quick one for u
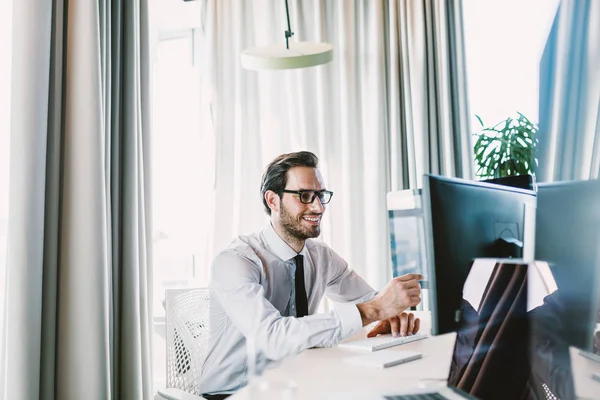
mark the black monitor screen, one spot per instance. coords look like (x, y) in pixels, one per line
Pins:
(465, 220)
(568, 238)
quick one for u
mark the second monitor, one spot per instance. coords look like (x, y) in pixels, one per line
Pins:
(568, 238)
(465, 220)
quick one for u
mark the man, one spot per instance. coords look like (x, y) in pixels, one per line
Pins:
(267, 287)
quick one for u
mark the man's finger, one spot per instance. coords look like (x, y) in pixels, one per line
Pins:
(411, 324)
(403, 324)
(414, 300)
(410, 277)
(417, 325)
(412, 285)
(395, 326)
(380, 328)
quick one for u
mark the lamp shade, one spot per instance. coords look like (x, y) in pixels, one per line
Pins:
(299, 55)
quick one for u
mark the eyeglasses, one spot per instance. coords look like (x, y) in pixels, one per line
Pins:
(308, 196)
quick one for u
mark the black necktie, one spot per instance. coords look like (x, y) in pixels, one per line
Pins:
(301, 300)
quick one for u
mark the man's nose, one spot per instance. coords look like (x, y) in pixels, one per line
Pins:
(316, 205)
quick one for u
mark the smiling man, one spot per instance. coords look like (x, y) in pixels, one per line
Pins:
(267, 287)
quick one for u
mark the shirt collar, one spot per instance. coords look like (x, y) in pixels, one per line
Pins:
(278, 246)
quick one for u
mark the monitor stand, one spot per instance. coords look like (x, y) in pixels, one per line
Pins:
(508, 247)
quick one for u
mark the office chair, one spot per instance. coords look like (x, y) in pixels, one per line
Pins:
(187, 339)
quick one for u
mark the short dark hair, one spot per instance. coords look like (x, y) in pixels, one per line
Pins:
(275, 176)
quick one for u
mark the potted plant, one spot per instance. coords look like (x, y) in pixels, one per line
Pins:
(507, 148)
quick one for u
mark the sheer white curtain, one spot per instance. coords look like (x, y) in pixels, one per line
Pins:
(569, 136)
(389, 108)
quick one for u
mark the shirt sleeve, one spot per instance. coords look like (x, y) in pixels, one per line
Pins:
(345, 285)
(235, 283)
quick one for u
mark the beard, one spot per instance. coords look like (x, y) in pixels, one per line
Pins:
(295, 228)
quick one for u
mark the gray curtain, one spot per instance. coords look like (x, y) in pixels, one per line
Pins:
(390, 107)
(78, 298)
(569, 135)
(429, 128)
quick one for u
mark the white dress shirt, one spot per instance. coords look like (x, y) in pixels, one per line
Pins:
(252, 295)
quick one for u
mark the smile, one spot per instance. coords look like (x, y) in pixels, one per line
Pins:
(314, 220)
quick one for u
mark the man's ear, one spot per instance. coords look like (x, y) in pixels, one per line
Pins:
(272, 200)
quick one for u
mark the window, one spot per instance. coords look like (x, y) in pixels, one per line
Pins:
(183, 163)
(504, 42)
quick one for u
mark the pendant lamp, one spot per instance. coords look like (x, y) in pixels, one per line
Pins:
(292, 55)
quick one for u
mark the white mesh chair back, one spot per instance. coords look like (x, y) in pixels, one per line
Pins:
(548, 393)
(187, 337)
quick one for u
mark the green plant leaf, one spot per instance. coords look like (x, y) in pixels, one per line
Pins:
(480, 120)
(508, 147)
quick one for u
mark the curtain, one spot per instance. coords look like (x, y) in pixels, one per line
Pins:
(389, 108)
(78, 292)
(569, 134)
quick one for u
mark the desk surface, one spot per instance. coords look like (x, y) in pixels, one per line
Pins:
(322, 374)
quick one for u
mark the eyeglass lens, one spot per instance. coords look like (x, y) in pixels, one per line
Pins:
(308, 197)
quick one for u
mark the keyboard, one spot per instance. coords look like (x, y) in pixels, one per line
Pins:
(381, 342)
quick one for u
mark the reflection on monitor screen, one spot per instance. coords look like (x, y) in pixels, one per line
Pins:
(509, 343)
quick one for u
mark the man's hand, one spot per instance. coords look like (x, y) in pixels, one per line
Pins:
(399, 294)
(404, 325)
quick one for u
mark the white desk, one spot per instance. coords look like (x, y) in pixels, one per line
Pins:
(321, 373)
(585, 386)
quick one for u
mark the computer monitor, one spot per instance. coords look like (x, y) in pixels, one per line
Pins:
(465, 220)
(568, 238)
(407, 237)
(406, 232)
